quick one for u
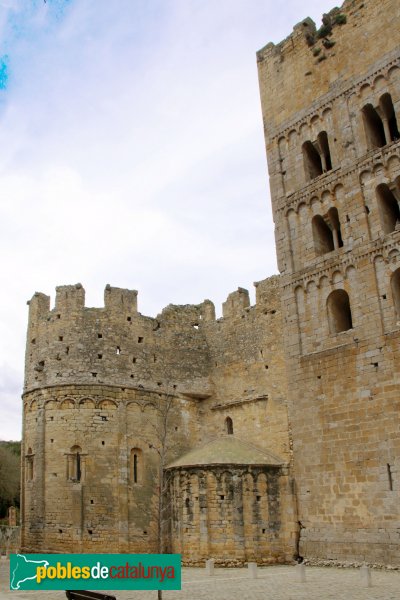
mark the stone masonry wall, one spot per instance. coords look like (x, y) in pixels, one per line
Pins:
(338, 252)
(95, 385)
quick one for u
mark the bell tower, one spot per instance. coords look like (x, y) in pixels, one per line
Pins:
(331, 110)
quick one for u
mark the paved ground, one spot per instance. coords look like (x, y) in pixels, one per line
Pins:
(275, 583)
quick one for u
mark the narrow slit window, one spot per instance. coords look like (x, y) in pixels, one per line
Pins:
(75, 464)
(390, 477)
(136, 466)
(229, 425)
(29, 465)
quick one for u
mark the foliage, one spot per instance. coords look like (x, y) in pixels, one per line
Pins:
(9, 475)
(324, 31)
(328, 43)
(340, 19)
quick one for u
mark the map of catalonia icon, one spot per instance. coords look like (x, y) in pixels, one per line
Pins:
(23, 570)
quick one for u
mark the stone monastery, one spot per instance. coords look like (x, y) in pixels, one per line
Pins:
(274, 432)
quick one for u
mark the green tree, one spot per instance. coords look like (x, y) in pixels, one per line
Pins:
(9, 475)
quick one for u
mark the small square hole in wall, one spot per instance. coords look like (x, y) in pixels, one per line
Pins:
(33, 341)
(103, 443)
(91, 501)
(104, 418)
(140, 340)
(266, 366)
(60, 531)
(384, 297)
(174, 386)
(263, 530)
(133, 360)
(258, 498)
(90, 531)
(94, 374)
(58, 316)
(222, 497)
(99, 356)
(144, 532)
(60, 338)
(118, 350)
(99, 336)
(129, 319)
(132, 376)
(159, 383)
(51, 441)
(51, 418)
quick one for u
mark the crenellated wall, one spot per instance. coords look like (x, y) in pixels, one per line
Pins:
(97, 383)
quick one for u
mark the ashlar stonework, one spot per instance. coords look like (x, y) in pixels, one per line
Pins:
(279, 422)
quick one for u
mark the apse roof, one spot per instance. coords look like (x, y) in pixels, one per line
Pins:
(226, 450)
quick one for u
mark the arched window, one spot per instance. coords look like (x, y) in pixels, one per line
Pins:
(229, 426)
(395, 285)
(388, 208)
(373, 127)
(317, 156)
(324, 151)
(380, 123)
(339, 312)
(29, 465)
(74, 464)
(322, 234)
(326, 232)
(136, 466)
(312, 160)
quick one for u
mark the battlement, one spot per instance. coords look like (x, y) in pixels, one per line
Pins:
(312, 63)
(117, 345)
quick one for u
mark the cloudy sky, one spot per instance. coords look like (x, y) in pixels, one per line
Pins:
(131, 153)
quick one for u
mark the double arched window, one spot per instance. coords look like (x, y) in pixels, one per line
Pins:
(380, 122)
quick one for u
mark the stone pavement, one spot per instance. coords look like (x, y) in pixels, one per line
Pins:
(274, 582)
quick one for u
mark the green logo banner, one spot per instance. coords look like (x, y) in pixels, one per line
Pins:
(95, 571)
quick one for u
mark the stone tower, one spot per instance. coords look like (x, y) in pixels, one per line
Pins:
(331, 110)
(98, 382)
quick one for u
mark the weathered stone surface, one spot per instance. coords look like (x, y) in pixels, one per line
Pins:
(334, 163)
(309, 376)
(103, 374)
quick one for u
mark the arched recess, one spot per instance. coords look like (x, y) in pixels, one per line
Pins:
(136, 467)
(339, 311)
(388, 208)
(395, 286)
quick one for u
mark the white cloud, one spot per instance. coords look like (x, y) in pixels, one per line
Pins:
(131, 131)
